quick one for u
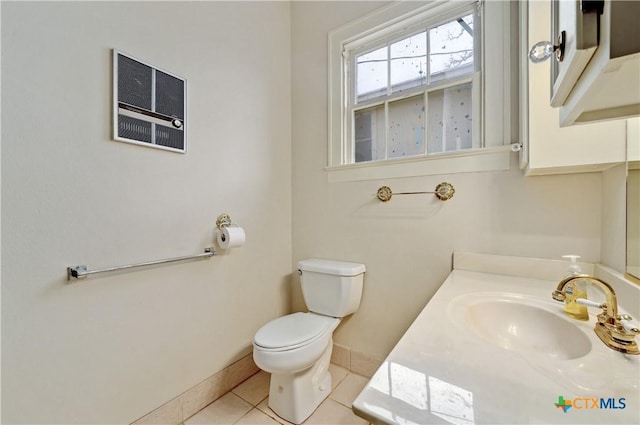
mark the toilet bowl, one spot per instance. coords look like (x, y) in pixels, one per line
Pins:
(296, 348)
(299, 365)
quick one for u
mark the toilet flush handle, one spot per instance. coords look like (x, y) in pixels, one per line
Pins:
(300, 272)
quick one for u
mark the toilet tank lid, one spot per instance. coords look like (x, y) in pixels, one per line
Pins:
(340, 268)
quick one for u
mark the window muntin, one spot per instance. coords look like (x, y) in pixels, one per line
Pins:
(399, 100)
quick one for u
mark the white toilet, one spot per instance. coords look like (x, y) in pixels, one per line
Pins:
(296, 349)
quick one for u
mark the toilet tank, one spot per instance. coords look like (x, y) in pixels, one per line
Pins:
(331, 288)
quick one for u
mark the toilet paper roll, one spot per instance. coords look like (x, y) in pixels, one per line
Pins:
(231, 237)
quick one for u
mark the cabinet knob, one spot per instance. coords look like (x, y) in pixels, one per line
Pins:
(542, 50)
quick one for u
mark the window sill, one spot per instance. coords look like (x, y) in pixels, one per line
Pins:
(472, 160)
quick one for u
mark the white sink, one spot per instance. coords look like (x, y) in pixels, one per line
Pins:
(522, 324)
(484, 338)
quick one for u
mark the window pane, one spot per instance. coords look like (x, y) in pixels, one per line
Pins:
(372, 74)
(406, 127)
(449, 122)
(409, 62)
(451, 49)
(369, 134)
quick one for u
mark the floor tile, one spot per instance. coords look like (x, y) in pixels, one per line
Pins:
(170, 413)
(332, 412)
(256, 417)
(337, 375)
(201, 395)
(226, 410)
(348, 389)
(254, 389)
(248, 403)
(264, 407)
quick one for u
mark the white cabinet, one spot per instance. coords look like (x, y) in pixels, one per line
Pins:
(599, 76)
(577, 34)
(551, 149)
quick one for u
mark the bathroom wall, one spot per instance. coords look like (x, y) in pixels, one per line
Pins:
(112, 348)
(614, 216)
(407, 243)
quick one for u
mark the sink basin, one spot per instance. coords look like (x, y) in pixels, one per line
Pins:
(523, 324)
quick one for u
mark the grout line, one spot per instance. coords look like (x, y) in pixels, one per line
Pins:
(340, 403)
(262, 401)
(249, 411)
(278, 419)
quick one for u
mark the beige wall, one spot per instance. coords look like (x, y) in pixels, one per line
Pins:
(112, 348)
(633, 223)
(407, 243)
(614, 217)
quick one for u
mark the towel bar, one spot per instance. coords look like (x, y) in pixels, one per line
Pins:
(444, 191)
(81, 272)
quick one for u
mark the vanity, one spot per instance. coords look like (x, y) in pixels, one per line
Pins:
(492, 346)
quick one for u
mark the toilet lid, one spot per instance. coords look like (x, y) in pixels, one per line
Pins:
(293, 329)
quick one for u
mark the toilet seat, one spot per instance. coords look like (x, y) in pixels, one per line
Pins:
(294, 331)
(289, 353)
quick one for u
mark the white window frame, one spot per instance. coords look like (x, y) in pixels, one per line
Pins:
(494, 90)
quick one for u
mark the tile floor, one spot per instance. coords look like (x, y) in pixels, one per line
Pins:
(247, 403)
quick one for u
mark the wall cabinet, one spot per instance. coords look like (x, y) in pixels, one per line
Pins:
(598, 78)
(549, 148)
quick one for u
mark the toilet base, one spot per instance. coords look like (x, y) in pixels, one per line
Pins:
(295, 396)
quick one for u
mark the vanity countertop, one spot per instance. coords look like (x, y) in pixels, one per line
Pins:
(443, 372)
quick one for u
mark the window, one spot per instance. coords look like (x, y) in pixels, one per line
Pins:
(411, 85)
(403, 104)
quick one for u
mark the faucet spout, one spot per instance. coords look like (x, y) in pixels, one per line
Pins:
(610, 327)
(610, 295)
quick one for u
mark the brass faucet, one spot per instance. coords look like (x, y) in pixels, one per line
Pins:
(609, 327)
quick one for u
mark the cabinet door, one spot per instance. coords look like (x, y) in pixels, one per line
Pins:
(574, 23)
(551, 149)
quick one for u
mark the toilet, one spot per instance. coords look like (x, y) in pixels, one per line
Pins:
(296, 349)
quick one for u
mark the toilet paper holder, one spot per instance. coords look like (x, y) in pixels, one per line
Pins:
(223, 220)
(230, 235)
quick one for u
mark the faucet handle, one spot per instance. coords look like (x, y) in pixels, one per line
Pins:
(628, 325)
(588, 303)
